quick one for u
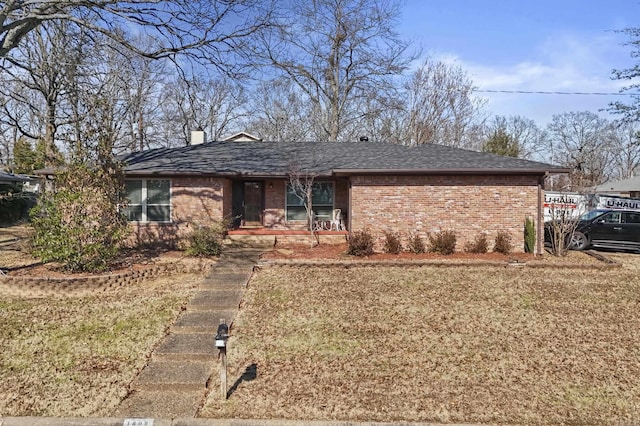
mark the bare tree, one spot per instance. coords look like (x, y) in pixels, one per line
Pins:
(383, 119)
(213, 105)
(441, 107)
(280, 112)
(50, 58)
(337, 52)
(524, 132)
(579, 140)
(630, 111)
(561, 229)
(301, 183)
(208, 31)
(142, 80)
(625, 149)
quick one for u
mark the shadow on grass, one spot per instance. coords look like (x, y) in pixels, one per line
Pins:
(250, 373)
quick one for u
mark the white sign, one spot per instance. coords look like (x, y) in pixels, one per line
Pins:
(138, 422)
(573, 205)
(564, 204)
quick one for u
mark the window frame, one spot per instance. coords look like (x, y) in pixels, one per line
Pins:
(144, 204)
(287, 206)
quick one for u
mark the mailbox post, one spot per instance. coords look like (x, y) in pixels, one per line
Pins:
(221, 343)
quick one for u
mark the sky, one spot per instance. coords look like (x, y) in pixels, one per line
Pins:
(541, 45)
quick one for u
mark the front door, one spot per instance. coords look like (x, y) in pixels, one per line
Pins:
(253, 203)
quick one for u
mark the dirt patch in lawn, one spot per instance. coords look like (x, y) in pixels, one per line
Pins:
(454, 345)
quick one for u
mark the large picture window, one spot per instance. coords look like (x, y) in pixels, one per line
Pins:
(321, 200)
(149, 200)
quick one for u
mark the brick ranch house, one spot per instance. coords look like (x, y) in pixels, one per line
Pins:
(378, 187)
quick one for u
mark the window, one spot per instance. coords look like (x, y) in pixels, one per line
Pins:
(632, 217)
(149, 200)
(613, 217)
(321, 200)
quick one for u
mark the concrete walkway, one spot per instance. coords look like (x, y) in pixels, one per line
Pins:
(175, 382)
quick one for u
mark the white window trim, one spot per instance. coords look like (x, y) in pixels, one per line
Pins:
(143, 195)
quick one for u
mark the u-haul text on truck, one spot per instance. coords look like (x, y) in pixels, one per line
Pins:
(617, 203)
(573, 205)
(564, 204)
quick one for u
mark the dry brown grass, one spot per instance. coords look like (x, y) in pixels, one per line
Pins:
(490, 345)
(77, 356)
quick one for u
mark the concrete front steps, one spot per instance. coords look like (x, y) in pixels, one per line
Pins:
(175, 381)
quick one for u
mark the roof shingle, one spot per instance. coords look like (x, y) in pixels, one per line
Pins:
(259, 158)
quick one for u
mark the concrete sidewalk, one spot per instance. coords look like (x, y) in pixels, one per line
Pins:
(174, 382)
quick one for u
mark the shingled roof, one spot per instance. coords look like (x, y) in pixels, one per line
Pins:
(273, 159)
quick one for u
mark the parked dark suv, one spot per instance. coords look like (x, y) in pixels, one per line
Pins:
(618, 229)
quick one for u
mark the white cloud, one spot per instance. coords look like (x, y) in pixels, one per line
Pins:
(564, 63)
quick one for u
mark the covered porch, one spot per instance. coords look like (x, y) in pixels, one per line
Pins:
(270, 207)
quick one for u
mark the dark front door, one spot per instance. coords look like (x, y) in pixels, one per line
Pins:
(253, 203)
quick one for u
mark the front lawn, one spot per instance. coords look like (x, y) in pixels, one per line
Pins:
(433, 344)
(76, 356)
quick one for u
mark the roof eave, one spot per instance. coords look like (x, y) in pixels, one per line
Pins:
(474, 171)
(254, 175)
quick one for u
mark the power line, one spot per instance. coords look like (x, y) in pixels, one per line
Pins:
(543, 92)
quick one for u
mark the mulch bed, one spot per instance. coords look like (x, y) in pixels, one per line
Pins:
(338, 252)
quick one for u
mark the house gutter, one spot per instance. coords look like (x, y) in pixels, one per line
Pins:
(218, 174)
(350, 172)
(474, 171)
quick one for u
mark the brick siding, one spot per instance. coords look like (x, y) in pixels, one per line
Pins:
(194, 201)
(467, 205)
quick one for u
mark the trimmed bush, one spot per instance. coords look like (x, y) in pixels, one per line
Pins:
(443, 242)
(529, 235)
(416, 244)
(479, 245)
(392, 242)
(360, 243)
(206, 240)
(503, 243)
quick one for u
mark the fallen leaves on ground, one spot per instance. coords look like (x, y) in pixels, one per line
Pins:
(460, 344)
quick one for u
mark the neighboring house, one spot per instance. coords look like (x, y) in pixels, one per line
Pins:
(624, 188)
(242, 137)
(379, 187)
(10, 178)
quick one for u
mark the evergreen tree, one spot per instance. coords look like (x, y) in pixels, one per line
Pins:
(24, 157)
(501, 143)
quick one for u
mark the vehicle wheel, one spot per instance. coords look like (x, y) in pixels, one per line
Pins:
(579, 241)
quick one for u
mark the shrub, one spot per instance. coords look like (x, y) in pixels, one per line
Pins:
(79, 225)
(503, 243)
(360, 243)
(416, 244)
(479, 245)
(392, 242)
(443, 242)
(206, 240)
(529, 235)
